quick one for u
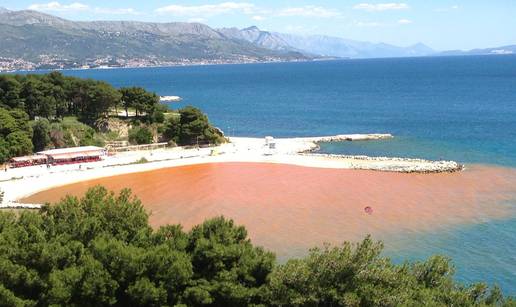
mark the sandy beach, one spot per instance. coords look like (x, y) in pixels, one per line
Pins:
(23, 182)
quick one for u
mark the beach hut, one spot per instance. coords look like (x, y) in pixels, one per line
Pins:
(73, 155)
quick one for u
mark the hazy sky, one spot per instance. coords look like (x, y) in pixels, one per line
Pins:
(441, 24)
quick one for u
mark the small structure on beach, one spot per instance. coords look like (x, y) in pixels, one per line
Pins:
(270, 145)
(73, 155)
(28, 160)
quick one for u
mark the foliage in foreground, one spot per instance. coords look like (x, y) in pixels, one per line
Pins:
(101, 251)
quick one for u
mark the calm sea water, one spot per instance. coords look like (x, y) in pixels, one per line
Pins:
(460, 108)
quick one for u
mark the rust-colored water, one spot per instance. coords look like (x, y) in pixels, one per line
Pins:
(290, 208)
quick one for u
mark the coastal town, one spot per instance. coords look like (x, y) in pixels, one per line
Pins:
(46, 62)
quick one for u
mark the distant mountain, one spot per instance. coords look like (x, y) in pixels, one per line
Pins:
(324, 45)
(340, 47)
(511, 49)
(258, 37)
(41, 38)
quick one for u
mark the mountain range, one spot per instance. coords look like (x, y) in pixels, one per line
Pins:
(41, 38)
(31, 39)
(321, 45)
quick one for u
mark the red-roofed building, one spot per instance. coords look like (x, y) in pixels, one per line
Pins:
(74, 155)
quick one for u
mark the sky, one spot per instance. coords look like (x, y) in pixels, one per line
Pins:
(441, 24)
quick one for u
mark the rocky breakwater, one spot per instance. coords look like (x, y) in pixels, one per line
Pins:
(350, 137)
(312, 143)
(392, 164)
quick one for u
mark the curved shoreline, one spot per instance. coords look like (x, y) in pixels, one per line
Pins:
(23, 182)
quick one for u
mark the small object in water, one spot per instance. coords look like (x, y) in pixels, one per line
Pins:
(170, 98)
(368, 210)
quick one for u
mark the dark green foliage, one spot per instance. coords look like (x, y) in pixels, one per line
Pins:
(56, 103)
(143, 102)
(100, 251)
(54, 96)
(19, 144)
(172, 129)
(356, 275)
(41, 134)
(191, 127)
(15, 134)
(10, 92)
(140, 135)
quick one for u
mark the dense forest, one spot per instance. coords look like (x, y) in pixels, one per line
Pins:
(100, 251)
(54, 111)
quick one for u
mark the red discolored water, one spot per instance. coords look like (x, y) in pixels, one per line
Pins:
(291, 208)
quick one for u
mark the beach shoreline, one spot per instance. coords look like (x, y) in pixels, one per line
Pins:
(23, 182)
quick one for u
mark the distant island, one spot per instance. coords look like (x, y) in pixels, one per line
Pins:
(32, 40)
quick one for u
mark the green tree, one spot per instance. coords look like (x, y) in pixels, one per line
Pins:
(195, 128)
(19, 144)
(41, 134)
(141, 100)
(140, 135)
(38, 101)
(10, 92)
(356, 275)
(172, 129)
(4, 150)
(15, 134)
(100, 98)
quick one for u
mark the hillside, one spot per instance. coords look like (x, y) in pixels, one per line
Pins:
(48, 40)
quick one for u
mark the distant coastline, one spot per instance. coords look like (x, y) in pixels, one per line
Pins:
(164, 65)
(201, 64)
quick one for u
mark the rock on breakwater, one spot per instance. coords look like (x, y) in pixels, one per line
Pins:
(350, 137)
(394, 164)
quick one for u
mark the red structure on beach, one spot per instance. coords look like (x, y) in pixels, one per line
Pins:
(61, 156)
(28, 160)
(73, 155)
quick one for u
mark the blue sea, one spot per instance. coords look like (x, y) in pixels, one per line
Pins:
(457, 108)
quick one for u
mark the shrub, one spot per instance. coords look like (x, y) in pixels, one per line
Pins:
(140, 135)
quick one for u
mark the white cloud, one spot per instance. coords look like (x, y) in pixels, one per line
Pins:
(207, 9)
(404, 21)
(58, 7)
(258, 18)
(308, 11)
(55, 6)
(381, 6)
